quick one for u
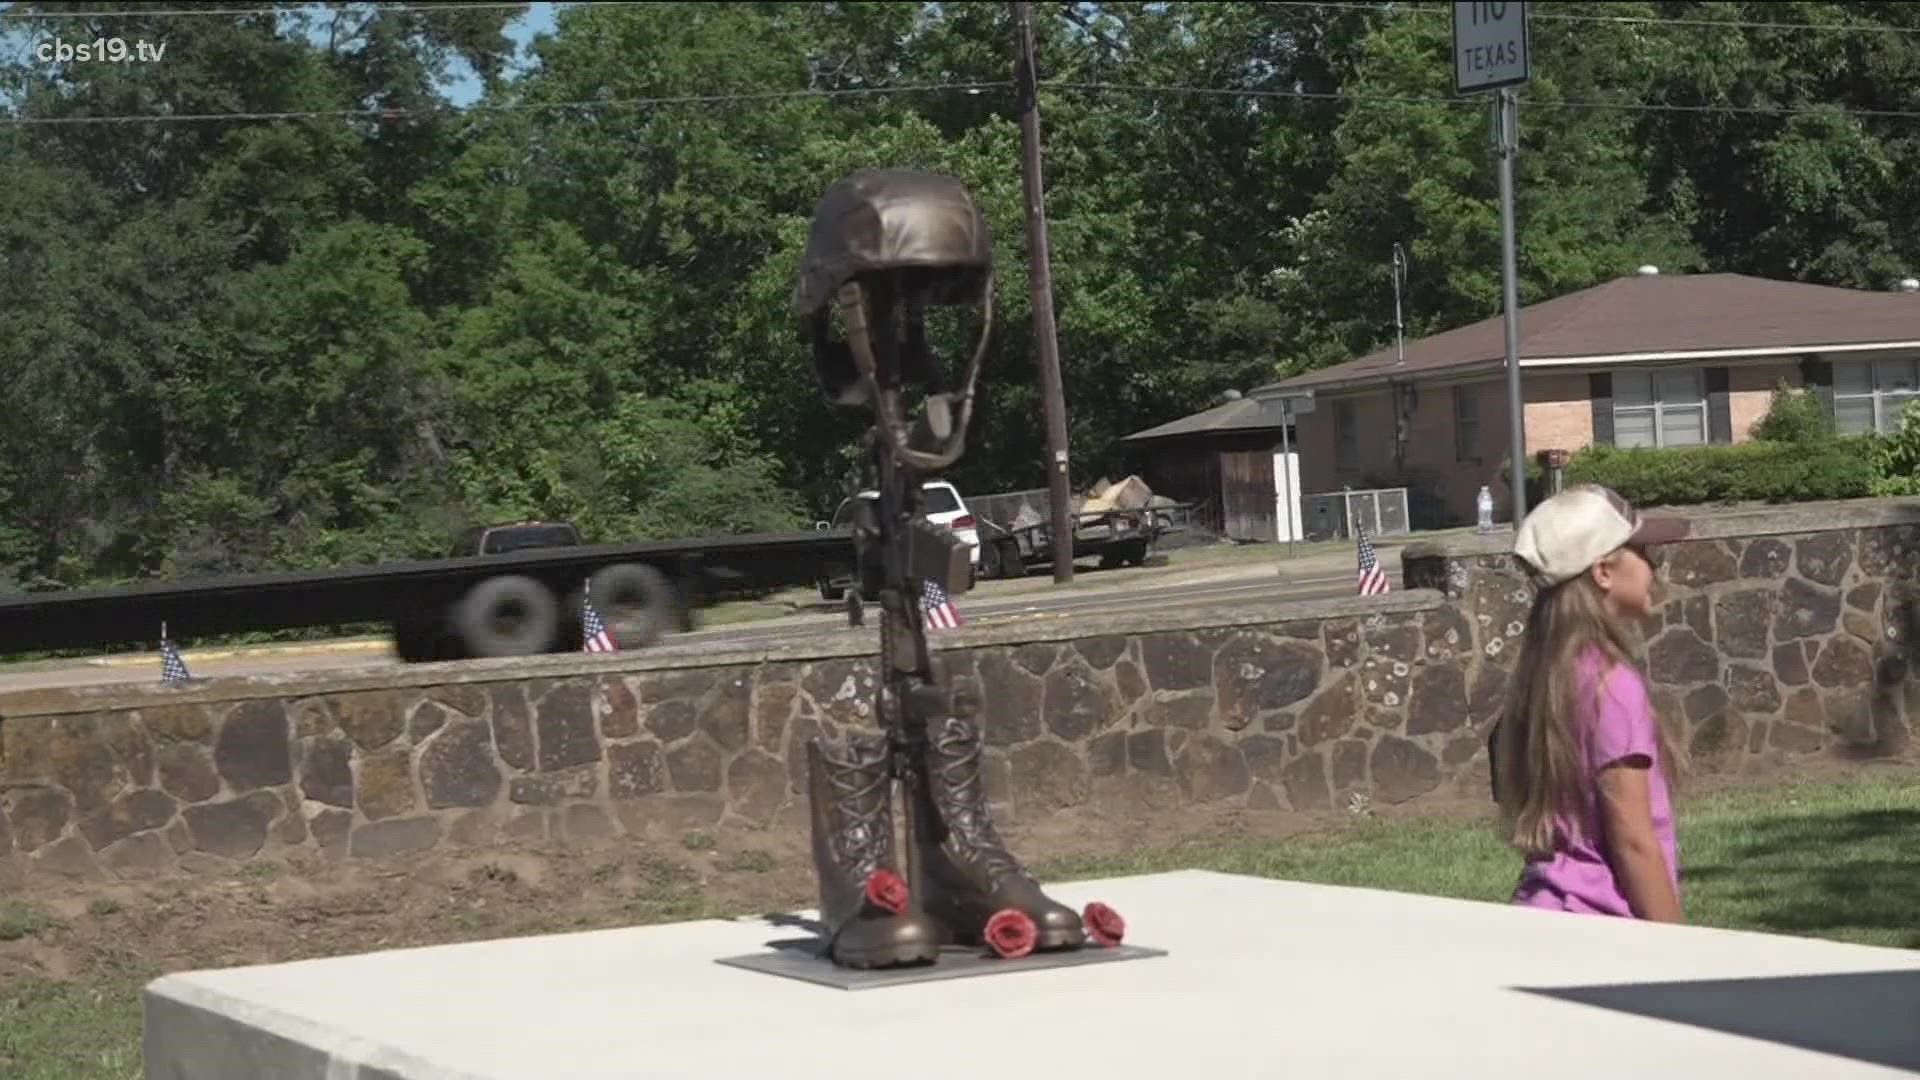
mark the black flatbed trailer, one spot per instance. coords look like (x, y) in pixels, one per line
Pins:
(520, 603)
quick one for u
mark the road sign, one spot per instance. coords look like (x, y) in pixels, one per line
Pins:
(1491, 47)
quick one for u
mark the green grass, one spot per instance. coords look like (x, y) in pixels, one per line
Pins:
(1434, 858)
(71, 1031)
(776, 606)
(747, 862)
(19, 919)
(1832, 860)
(1825, 860)
(1814, 860)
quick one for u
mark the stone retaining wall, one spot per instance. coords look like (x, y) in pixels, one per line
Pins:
(1782, 644)
(1776, 635)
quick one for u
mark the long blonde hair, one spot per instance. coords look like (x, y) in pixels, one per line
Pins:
(1538, 764)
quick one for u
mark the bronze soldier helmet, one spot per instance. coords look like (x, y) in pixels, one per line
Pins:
(885, 244)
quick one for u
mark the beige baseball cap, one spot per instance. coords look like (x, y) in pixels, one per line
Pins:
(1583, 524)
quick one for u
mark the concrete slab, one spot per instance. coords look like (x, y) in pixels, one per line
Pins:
(1263, 977)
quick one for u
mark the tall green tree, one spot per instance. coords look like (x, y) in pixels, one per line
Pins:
(273, 302)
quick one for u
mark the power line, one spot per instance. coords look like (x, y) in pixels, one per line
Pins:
(1248, 92)
(1746, 110)
(395, 9)
(545, 106)
(1544, 13)
(1477, 103)
(971, 88)
(1552, 15)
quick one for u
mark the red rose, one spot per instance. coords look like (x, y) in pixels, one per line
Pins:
(886, 891)
(1011, 933)
(1104, 924)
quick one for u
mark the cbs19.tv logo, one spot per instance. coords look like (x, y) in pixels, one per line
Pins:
(100, 50)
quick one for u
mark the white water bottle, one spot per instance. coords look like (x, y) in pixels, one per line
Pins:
(1486, 508)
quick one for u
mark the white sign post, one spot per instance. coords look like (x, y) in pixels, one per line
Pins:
(1291, 406)
(1493, 51)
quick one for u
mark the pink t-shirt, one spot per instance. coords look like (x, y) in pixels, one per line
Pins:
(1577, 877)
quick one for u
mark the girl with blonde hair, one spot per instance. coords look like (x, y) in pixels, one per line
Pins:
(1582, 767)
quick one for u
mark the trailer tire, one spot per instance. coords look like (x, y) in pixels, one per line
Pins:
(636, 601)
(1138, 553)
(1006, 559)
(989, 564)
(507, 616)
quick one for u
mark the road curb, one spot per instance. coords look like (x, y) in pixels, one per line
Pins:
(315, 649)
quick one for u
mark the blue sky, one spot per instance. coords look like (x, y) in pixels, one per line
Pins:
(537, 20)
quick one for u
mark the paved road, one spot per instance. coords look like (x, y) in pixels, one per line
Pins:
(1256, 584)
(1000, 610)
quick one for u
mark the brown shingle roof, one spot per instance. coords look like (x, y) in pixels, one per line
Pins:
(1634, 316)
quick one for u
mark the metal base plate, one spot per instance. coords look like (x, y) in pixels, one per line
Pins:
(805, 959)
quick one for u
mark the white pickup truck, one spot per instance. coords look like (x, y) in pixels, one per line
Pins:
(940, 504)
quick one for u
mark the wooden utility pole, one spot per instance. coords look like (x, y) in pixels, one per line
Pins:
(1026, 77)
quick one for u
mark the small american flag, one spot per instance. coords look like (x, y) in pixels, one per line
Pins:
(594, 628)
(938, 610)
(1373, 580)
(172, 667)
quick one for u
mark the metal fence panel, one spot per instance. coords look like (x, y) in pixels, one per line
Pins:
(1330, 515)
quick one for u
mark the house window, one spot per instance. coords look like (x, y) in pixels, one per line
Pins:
(1663, 407)
(1869, 394)
(1466, 424)
(1346, 436)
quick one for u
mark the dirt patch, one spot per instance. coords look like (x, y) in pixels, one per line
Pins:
(272, 912)
(277, 912)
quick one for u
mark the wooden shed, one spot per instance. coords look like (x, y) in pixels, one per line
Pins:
(1225, 458)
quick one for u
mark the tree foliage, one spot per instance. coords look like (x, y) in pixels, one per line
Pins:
(338, 326)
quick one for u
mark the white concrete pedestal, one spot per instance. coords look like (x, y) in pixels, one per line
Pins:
(1263, 978)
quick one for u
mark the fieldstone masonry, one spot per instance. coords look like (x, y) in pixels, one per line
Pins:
(1796, 642)
(1786, 633)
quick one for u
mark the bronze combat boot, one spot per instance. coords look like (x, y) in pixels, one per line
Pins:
(970, 873)
(852, 797)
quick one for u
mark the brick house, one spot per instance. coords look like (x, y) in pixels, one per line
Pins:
(1648, 360)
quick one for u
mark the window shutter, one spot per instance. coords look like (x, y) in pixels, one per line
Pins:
(1719, 414)
(1600, 389)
